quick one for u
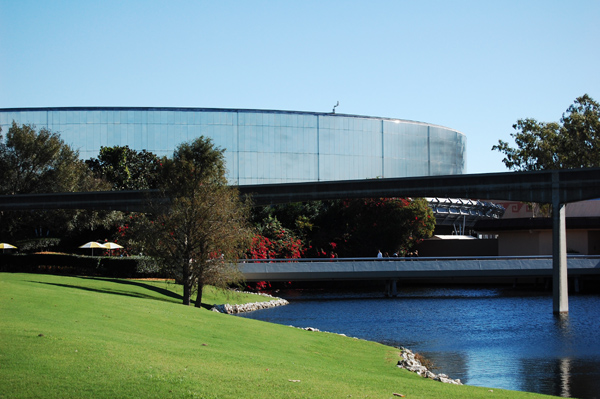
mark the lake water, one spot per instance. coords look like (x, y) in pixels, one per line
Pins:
(496, 337)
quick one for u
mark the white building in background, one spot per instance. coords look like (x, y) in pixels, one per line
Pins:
(263, 146)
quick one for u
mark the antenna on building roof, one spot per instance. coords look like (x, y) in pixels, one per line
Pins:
(338, 103)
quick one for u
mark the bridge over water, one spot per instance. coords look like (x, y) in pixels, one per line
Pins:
(321, 269)
(393, 270)
(556, 187)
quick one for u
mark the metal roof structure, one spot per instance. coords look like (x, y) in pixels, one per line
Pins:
(463, 213)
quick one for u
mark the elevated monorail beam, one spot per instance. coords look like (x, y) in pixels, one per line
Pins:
(572, 185)
(132, 201)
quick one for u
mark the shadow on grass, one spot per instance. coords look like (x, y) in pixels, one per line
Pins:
(161, 291)
(114, 292)
(150, 287)
(170, 295)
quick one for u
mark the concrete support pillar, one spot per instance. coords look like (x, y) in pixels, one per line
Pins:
(391, 288)
(560, 286)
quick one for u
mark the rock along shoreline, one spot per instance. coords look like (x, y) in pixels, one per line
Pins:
(250, 307)
(409, 361)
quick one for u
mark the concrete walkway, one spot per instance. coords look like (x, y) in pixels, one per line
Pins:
(397, 268)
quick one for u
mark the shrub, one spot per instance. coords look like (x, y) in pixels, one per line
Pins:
(38, 244)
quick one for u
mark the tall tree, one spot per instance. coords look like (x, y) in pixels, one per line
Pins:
(573, 142)
(201, 232)
(39, 161)
(126, 169)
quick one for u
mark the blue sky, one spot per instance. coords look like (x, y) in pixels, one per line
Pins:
(474, 66)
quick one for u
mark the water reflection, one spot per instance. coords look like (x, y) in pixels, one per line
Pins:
(563, 324)
(492, 337)
(564, 368)
(566, 377)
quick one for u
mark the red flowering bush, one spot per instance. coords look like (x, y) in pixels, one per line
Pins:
(274, 241)
(362, 227)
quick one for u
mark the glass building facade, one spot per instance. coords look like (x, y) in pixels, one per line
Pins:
(263, 146)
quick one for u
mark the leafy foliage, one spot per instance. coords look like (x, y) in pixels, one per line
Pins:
(347, 228)
(571, 143)
(37, 245)
(126, 169)
(298, 217)
(202, 231)
(275, 241)
(361, 227)
(38, 161)
(194, 164)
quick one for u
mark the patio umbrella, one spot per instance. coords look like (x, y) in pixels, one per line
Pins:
(4, 246)
(92, 245)
(111, 245)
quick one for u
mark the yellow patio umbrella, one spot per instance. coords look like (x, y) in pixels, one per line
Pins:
(92, 245)
(4, 246)
(111, 245)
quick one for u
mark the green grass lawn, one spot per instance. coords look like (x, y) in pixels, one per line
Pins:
(77, 337)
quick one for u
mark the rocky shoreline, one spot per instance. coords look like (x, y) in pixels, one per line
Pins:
(411, 363)
(250, 307)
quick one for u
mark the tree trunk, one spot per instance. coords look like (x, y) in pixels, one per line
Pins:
(186, 293)
(187, 289)
(199, 298)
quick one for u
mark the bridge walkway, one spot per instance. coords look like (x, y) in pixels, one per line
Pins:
(398, 268)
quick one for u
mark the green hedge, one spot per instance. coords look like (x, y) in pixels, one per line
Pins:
(39, 244)
(106, 266)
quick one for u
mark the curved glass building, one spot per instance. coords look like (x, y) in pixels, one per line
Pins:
(263, 146)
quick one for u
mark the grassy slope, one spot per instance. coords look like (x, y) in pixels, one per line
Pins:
(79, 337)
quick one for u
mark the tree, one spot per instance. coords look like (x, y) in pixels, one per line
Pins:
(574, 142)
(39, 161)
(126, 169)
(297, 218)
(202, 231)
(34, 161)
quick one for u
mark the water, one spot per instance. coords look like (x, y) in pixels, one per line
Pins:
(492, 337)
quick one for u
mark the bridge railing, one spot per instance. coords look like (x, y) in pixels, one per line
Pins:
(412, 259)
